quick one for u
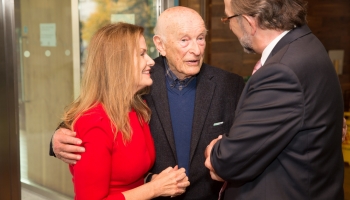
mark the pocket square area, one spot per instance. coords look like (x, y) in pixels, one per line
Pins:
(218, 123)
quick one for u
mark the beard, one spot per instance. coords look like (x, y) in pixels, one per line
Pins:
(246, 42)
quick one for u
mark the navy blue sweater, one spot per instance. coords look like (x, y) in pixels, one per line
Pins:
(181, 105)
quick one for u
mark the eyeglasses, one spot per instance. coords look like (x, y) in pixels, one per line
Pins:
(226, 20)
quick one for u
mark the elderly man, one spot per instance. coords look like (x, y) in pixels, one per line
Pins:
(285, 142)
(191, 102)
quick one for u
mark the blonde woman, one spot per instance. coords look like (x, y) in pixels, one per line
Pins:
(111, 119)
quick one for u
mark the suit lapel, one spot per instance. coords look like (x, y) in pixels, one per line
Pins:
(159, 96)
(204, 94)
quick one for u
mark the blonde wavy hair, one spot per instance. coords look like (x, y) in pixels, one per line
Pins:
(110, 79)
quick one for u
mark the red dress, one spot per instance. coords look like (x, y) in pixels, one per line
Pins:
(108, 166)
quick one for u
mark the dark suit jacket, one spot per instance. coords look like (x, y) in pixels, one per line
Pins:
(285, 142)
(217, 95)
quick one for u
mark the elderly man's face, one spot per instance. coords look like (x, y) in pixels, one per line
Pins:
(185, 45)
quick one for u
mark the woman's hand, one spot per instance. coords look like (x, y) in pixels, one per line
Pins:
(170, 182)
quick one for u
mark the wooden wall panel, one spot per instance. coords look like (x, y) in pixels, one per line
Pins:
(194, 4)
(225, 50)
(329, 21)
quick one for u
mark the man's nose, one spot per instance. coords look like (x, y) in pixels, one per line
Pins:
(195, 48)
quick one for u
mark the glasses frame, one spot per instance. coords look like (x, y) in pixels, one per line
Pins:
(226, 20)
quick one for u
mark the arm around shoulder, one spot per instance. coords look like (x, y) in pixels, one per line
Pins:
(64, 145)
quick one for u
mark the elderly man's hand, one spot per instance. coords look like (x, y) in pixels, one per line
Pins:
(64, 144)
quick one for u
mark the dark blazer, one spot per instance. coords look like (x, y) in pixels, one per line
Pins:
(285, 142)
(217, 95)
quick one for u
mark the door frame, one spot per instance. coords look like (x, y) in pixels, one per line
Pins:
(9, 130)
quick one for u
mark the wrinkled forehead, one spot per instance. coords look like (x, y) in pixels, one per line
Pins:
(184, 26)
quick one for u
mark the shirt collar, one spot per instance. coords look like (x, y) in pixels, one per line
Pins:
(172, 78)
(270, 47)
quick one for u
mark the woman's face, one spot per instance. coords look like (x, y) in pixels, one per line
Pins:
(145, 64)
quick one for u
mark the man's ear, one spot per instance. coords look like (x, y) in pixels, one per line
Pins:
(252, 22)
(158, 42)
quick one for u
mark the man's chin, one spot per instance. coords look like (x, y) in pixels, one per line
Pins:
(193, 72)
(249, 50)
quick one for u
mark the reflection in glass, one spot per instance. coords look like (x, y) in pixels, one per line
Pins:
(96, 13)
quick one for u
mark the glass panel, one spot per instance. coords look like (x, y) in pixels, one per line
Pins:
(46, 86)
(52, 40)
(96, 13)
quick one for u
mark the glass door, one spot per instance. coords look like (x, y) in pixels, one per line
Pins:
(47, 47)
(52, 43)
